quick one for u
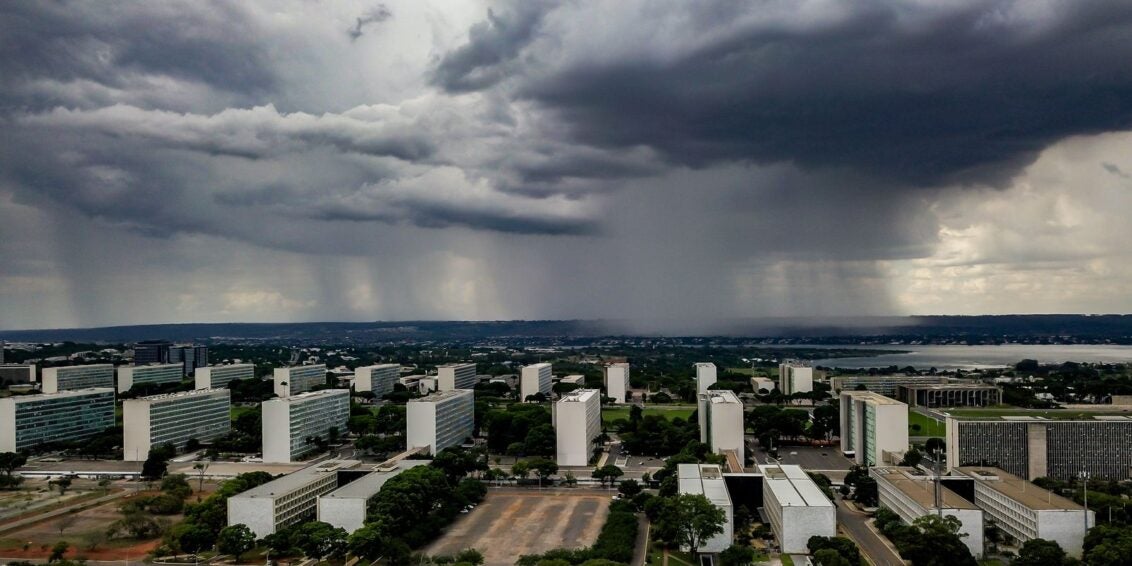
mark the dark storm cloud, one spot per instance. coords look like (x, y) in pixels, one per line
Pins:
(374, 16)
(916, 94)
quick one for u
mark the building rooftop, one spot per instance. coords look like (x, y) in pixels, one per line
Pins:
(705, 479)
(705, 364)
(792, 487)
(539, 365)
(574, 378)
(948, 386)
(179, 394)
(442, 396)
(377, 366)
(920, 488)
(309, 395)
(60, 395)
(291, 482)
(872, 397)
(722, 396)
(456, 365)
(81, 366)
(579, 396)
(368, 485)
(1019, 489)
(618, 364)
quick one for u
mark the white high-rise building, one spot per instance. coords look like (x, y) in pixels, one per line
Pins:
(577, 422)
(377, 379)
(456, 376)
(874, 428)
(617, 381)
(298, 379)
(26, 421)
(215, 377)
(535, 378)
(440, 420)
(129, 376)
(71, 378)
(291, 424)
(148, 422)
(707, 480)
(795, 377)
(721, 423)
(705, 376)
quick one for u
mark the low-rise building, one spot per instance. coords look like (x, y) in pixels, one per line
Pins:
(176, 418)
(949, 395)
(294, 426)
(574, 379)
(721, 424)
(377, 379)
(346, 506)
(911, 494)
(71, 378)
(874, 428)
(440, 420)
(797, 507)
(153, 374)
(450, 377)
(1026, 511)
(534, 379)
(707, 480)
(763, 385)
(215, 377)
(286, 501)
(27, 421)
(298, 379)
(883, 384)
(577, 422)
(617, 381)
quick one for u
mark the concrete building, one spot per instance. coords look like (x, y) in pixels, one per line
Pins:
(763, 385)
(705, 376)
(129, 376)
(216, 377)
(450, 377)
(912, 494)
(71, 378)
(1033, 447)
(378, 379)
(707, 480)
(883, 384)
(874, 428)
(152, 352)
(189, 356)
(535, 378)
(298, 379)
(16, 374)
(288, 500)
(797, 507)
(949, 395)
(291, 424)
(577, 422)
(1027, 512)
(440, 420)
(795, 377)
(575, 379)
(617, 381)
(26, 421)
(149, 422)
(346, 506)
(721, 423)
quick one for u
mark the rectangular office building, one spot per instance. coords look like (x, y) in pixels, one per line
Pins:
(149, 422)
(1033, 447)
(216, 377)
(705, 376)
(707, 480)
(346, 506)
(617, 381)
(288, 500)
(797, 507)
(874, 428)
(534, 379)
(292, 425)
(795, 377)
(377, 379)
(298, 379)
(129, 376)
(440, 420)
(949, 395)
(71, 378)
(721, 424)
(577, 422)
(17, 374)
(26, 421)
(450, 377)
(912, 494)
(883, 384)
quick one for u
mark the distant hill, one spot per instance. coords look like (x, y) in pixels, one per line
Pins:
(934, 329)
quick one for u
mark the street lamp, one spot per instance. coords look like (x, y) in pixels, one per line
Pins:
(1085, 478)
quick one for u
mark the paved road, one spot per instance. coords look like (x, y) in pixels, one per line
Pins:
(872, 545)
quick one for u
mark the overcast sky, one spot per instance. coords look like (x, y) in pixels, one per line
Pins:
(689, 161)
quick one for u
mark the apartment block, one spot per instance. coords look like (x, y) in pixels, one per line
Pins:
(912, 494)
(883, 384)
(291, 424)
(795, 377)
(129, 376)
(707, 480)
(71, 378)
(216, 377)
(577, 422)
(288, 500)
(17, 374)
(450, 377)
(533, 379)
(1033, 446)
(346, 506)
(797, 507)
(298, 379)
(949, 395)
(149, 422)
(721, 424)
(874, 428)
(440, 420)
(378, 379)
(705, 376)
(617, 381)
(27, 421)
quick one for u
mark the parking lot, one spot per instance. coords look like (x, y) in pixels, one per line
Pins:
(811, 459)
(513, 522)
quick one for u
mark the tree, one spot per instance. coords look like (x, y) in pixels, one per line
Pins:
(157, 463)
(607, 472)
(9, 461)
(912, 458)
(319, 540)
(938, 543)
(191, 538)
(934, 443)
(62, 483)
(470, 556)
(629, 487)
(521, 469)
(544, 468)
(830, 557)
(235, 540)
(843, 548)
(1040, 552)
(686, 520)
(176, 485)
(368, 542)
(58, 551)
(200, 467)
(65, 522)
(736, 555)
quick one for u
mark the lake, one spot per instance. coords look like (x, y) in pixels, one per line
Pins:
(975, 357)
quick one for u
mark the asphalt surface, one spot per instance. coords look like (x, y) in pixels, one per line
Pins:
(811, 459)
(870, 542)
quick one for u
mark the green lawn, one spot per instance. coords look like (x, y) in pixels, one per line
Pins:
(928, 425)
(668, 412)
(237, 411)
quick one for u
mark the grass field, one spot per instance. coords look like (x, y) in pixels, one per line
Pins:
(668, 412)
(237, 411)
(928, 425)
